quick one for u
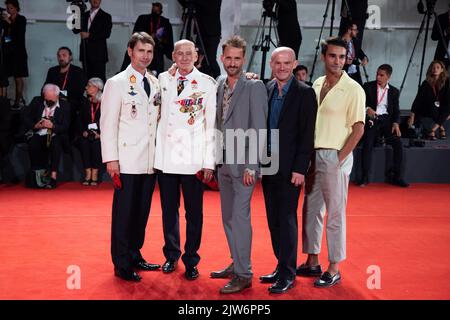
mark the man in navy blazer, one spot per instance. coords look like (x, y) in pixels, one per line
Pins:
(292, 112)
(382, 119)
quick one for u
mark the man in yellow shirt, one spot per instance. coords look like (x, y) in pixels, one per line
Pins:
(339, 127)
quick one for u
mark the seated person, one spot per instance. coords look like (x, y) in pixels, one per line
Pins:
(301, 74)
(49, 119)
(71, 80)
(432, 100)
(90, 128)
(383, 117)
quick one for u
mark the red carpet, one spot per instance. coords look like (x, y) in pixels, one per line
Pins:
(405, 232)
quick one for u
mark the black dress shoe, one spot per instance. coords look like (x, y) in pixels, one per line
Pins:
(169, 266)
(144, 265)
(191, 273)
(309, 271)
(281, 286)
(399, 182)
(326, 280)
(223, 274)
(51, 184)
(363, 182)
(127, 275)
(270, 278)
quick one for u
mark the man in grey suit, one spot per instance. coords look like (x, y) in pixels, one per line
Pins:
(241, 110)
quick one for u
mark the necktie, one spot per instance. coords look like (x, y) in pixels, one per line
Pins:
(180, 86)
(146, 86)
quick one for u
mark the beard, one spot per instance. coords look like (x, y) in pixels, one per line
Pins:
(63, 64)
(233, 71)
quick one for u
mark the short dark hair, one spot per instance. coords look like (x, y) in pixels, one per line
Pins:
(14, 3)
(300, 67)
(386, 67)
(143, 37)
(64, 48)
(235, 42)
(333, 41)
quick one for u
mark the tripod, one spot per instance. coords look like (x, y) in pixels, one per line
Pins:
(333, 7)
(426, 17)
(265, 39)
(190, 25)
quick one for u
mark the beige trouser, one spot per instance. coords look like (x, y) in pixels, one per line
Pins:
(326, 187)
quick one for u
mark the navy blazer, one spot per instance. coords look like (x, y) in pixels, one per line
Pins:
(33, 113)
(296, 126)
(393, 108)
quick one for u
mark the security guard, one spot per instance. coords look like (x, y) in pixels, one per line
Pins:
(129, 113)
(184, 147)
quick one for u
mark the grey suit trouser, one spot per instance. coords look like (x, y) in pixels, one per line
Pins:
(235, 200)
(326, 187)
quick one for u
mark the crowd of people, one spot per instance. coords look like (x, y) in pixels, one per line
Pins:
(171, 128)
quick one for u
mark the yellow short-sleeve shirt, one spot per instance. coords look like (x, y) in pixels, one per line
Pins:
(342, 107)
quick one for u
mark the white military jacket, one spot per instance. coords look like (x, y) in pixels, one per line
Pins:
(128, 122)
(185, 137)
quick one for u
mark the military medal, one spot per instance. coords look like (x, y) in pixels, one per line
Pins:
(133, 112)
(191, 105)
(194, 85)
(132, 93)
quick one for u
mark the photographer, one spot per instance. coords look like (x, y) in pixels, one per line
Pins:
(96, 27)
(13, 44)
(48, 118)
(90, 128)
(160, 29)
(288, 27)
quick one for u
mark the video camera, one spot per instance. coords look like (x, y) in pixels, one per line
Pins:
(269, 7)
(79, 3)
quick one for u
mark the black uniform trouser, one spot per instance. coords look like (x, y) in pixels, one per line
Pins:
(281, 199)
(381, 127)
(39, 153)
(192, 188)
(130, 211)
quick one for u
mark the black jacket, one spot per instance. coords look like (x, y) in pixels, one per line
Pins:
(423, 105)
(76, 83)
(96, 49)
(296, 127)
(86, 115)
(33, 113)
(393, 108)
(17, 33)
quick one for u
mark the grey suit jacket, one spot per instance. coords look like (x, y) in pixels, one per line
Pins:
(248, 110)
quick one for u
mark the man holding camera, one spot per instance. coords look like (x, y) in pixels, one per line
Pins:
(383, 118)
(160, 29)
(49, 119)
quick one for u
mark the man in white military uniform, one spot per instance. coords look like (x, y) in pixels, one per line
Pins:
(184, 146)
(129, 113)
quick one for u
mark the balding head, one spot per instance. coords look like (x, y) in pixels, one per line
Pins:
(184, 55)
(282, 63)
(283, 50)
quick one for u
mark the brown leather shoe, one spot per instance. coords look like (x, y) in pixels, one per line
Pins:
(223, 274)
(237, 284)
